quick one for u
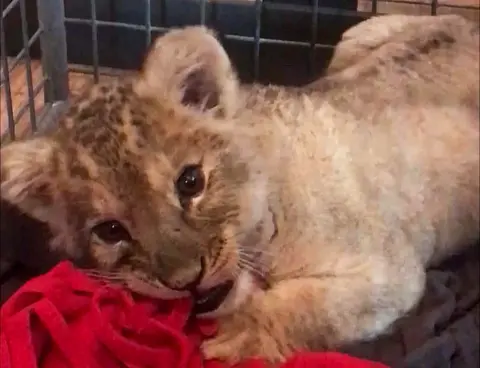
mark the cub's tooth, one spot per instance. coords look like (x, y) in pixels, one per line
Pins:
(202, 300)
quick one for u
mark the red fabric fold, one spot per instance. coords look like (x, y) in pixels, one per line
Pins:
(64, 319)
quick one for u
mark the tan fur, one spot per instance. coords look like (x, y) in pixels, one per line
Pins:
(336, 195)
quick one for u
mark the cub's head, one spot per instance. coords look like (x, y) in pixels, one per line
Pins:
(151, 181)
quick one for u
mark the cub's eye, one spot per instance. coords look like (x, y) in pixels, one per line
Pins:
(191, 181)
(111, 232)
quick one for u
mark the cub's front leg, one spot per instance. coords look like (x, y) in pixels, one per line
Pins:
(318, 313)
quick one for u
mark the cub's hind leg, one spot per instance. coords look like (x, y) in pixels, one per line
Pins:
(361, 40)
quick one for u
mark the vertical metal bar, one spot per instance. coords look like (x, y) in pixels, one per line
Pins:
(434, 7)
(28, 67)
(313, 38)
(203, 12)
(163, 12)
(6, 80)
(93, 9)
(53, 42)
(374, 6)
(148, 23)
(7, 9)
(258, 29)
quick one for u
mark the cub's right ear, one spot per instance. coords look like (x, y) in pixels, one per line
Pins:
(189, 67)
(26, 181)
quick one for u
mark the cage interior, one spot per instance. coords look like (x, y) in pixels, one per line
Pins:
(53, 48)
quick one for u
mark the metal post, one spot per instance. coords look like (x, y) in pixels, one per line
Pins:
(203, 12)
(258, 29)
(28, 66)
(53, 42)
(6, 80)
(95, 62)
(313, 38)
(148, 23)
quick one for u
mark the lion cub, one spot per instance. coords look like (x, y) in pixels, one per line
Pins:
(301, 218)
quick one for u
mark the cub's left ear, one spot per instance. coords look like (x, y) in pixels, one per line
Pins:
(25, 180)
(189, 66)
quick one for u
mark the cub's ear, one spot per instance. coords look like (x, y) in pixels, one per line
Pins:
(26, 182)
(189, 66)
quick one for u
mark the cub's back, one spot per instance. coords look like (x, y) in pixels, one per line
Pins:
(392, 140)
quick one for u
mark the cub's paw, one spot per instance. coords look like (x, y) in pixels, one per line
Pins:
(240, 338)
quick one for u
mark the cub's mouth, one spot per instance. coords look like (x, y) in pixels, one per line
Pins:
(209, 300)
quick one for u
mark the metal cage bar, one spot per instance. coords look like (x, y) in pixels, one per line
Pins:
(29, 104)
(93, 9)
(19, 57)
(257, 38)
(203, 12)
(434, 7)
(53, 43)
(313, 9)
(6, 78)
(9, 8)
(54, 78)
(28, 66)
(22, 57)
(148, 22)
(313, 35)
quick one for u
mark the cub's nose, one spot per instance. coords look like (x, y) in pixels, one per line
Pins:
(185, 277)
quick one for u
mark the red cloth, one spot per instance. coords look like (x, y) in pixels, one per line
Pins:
(64, 319)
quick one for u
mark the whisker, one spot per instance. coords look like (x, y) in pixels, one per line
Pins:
(257, 250)
(257, 254)
(108, 279)
(262, 258)
(253, 265)
(254, 260)
(251, 270)
(97, 274)
(104, 276)
(257, 259)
